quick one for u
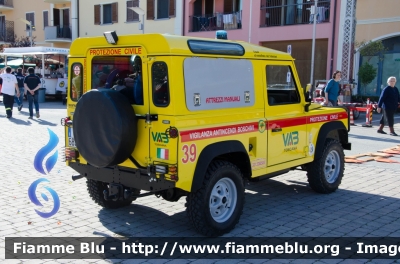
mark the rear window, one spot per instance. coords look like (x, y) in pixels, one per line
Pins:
(160, 84)
(120, 73)
(107, 70)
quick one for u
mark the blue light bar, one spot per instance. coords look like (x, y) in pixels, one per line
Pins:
(214, 47)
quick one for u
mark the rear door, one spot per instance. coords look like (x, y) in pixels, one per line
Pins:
(163, 143)
(109, 66)
(286, 121)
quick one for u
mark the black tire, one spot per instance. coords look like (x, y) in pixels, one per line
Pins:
(356, 114)
(326, 172)
(105, 127)
(220, 176)
(96, 189)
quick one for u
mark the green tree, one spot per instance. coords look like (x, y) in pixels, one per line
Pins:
(367, 71)
(21, 42)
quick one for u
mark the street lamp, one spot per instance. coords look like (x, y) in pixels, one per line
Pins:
(139, 11)
(314, 14)
(29, 23)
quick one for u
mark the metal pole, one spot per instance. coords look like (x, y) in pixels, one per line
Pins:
(30, 31)
(313, 43)
(143, 23)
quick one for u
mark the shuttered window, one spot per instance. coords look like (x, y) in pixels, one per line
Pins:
(165, 9)
(171, 8)
(106, 14)
(114, 10)
(150, 9)
(30, 17)
(45, 19)
(228, 6)
(97, 20)
(130, 14)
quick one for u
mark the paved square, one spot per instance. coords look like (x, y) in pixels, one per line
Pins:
(366, 204)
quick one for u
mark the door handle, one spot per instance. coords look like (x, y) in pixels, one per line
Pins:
(276, 129)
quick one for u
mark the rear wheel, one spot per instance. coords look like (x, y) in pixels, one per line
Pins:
(96, 192)
(326, 172)
(216, 207)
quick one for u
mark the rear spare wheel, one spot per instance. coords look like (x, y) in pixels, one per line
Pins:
(105, 127)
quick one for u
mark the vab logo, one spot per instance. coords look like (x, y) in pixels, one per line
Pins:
(51, 161)
(61, 84)
(35, 200)
(291, 138)
(160, 137)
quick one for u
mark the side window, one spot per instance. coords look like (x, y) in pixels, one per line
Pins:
(76, 82)
(159, 71)
(281, 88)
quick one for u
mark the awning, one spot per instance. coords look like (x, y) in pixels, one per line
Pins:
(16, 64)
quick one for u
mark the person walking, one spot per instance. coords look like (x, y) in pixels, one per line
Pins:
(332, 88)
(388, 101)
(32, 85)
(9, 89)
(20, 99)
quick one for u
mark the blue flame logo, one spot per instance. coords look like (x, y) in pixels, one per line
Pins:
(51, 161)
(34, 199)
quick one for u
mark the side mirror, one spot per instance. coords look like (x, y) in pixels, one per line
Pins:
(308, 93)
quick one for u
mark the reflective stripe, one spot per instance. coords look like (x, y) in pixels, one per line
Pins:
(8, 109)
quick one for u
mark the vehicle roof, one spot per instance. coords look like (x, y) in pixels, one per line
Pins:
(167, 44)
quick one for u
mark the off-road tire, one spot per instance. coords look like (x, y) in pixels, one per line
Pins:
(224, 178)
(326, 172)
(96, 188)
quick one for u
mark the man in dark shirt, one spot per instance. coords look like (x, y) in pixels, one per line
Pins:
(20, 78)
(32, 85)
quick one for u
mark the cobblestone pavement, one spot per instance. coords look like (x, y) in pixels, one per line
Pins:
(367, 203)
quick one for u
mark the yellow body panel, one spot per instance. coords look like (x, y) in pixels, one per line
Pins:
(275, 137)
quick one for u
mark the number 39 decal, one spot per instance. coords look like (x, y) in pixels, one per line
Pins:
(189, 153)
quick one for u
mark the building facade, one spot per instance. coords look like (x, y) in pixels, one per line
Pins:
(282, 25)
(50, 19)
(130, 17)
(378, 20)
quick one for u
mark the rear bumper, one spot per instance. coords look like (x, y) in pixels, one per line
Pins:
(128, 177)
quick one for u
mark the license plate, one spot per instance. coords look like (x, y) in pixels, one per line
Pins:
(71, 142)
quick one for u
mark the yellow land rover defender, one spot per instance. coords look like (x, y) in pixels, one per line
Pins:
(181, 116)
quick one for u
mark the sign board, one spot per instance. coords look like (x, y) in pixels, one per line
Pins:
(289, 49)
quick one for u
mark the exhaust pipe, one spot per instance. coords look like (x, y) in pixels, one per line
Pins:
(77, 177)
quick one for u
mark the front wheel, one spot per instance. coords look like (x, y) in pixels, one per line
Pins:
(326, 172)
(216, 207)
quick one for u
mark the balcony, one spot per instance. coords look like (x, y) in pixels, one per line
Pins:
(57, 1)
(273, 13)
(6, 5)
(57, 34)
(216, 21)
(7, 31)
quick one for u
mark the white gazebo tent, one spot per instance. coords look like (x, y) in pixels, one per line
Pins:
(40, 52)
(45, 53)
